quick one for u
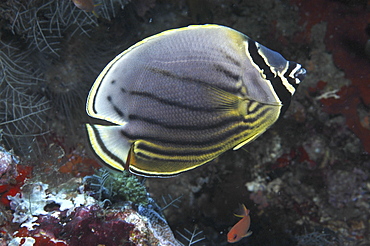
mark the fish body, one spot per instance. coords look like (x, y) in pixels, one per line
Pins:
(86, 5)
(240, 229)
(179, 99)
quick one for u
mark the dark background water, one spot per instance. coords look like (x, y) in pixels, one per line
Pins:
(305, 181)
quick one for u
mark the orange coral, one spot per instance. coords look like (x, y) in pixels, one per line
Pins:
(79, 166)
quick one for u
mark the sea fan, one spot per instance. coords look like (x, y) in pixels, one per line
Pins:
(193, 237)
(22, 112)
(108, 9)
(43, 24)
(171, 202)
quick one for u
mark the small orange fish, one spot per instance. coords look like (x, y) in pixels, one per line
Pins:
(240, 229)
(86, 5)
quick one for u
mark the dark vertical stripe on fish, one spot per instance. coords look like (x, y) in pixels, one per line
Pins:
(104, 149)
(277, 84)
(170, 102)
(227, 73)
(189, 79)
(219, 124)
(245, 124)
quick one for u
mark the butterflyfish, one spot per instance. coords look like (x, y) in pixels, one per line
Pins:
(179, 99)
(240, 229)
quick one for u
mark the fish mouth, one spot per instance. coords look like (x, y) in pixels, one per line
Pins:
(300, 74)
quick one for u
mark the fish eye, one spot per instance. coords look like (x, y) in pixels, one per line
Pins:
(235, 236)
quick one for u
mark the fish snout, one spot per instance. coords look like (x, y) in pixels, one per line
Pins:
(300, 74)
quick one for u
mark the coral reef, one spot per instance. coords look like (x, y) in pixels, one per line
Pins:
(8, 166)
(346, 187)
(13, 176)
(34, 199)
(67, 214)
(347, 44)
(116, 187)
(157, 224)
(90, 225)
(72, 218)
(306, 180)
(78, 164)
(128, 188)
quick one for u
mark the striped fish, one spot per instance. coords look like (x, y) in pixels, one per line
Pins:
(179, 99)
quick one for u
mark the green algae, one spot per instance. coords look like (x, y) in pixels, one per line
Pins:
(116, 187)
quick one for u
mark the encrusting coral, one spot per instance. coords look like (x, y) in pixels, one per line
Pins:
(75, 218)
